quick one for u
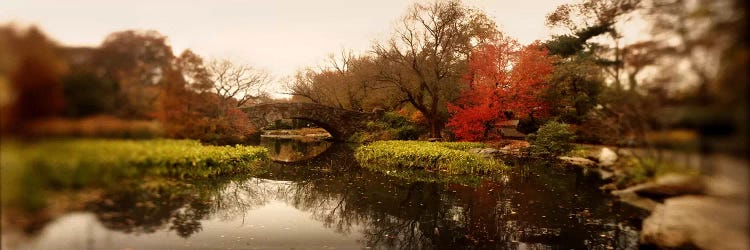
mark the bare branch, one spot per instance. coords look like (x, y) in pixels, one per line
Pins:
(239, 82)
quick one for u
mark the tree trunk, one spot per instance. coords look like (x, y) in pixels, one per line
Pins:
(435, 122)
(435, 127)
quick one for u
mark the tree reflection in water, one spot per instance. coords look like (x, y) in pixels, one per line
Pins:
(537, 209)
(545, 207)
(147, 208)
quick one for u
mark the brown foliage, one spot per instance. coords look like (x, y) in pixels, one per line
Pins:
(95, 126)
(137, 60)
(206, 116)
(346, 81)
(427, 55)
(150, 84)
(33, 68)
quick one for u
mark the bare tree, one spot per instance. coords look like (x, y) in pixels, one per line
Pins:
(241, 82)
(344, 80)
(427, 53)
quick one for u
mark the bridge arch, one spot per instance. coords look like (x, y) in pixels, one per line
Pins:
(340, 123)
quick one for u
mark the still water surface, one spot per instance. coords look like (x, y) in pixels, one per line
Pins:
(329, 202)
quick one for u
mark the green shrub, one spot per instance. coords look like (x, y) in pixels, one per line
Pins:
(395, 120)
(551, 140)
(438, 157)
(391, 126)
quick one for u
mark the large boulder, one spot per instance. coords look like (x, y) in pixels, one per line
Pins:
(717, 220)
(607, 157)
(701, 221)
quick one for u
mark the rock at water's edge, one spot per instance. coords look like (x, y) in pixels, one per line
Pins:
(702, 221)
(666, 186)
(577, 161)
(607, 157)
(485, 152)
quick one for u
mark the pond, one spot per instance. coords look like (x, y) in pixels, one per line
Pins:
(328, 201)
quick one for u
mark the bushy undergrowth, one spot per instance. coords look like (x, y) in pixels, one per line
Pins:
(28, 169)
(551, 140)
(641, 170)
(391, 126)
(440, 157)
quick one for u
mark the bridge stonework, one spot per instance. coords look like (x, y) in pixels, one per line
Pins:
(340, 123)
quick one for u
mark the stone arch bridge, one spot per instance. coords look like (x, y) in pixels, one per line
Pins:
(340, 123)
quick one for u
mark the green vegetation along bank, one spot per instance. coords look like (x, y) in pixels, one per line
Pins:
(29, 170)
(451, 158)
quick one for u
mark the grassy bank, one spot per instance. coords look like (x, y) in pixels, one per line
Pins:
(31, 169)
(450, 158)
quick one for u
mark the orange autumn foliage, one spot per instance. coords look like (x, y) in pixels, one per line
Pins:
(502, 81)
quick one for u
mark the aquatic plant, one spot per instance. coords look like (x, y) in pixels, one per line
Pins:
(28, 169)
(440, 157)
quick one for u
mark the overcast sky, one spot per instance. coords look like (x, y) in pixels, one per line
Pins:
(280, 36)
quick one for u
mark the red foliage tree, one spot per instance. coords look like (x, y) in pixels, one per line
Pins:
(503, 78)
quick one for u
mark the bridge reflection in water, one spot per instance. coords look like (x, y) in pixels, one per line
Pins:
(329, 202)
(293, 149)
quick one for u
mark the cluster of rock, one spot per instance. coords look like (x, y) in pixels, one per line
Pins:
(601, 162)
(704, 211)
(512, 149)
(486, 152)
(708, 212)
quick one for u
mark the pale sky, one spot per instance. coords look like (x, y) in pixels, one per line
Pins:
(280, 36)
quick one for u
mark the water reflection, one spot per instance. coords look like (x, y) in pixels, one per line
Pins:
(179, 207)
(329, 202)
(529, 210)
(292, 149)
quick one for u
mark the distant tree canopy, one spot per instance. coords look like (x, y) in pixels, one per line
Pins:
(444, 65)
(673, 69)
(598, 82)
(87, 94)
(420, 65)
(132, 75)
(346, 81)
(31, 68)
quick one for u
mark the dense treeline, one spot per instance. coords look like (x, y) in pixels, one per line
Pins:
(451, 65)
(131, 76)
(445, 66)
